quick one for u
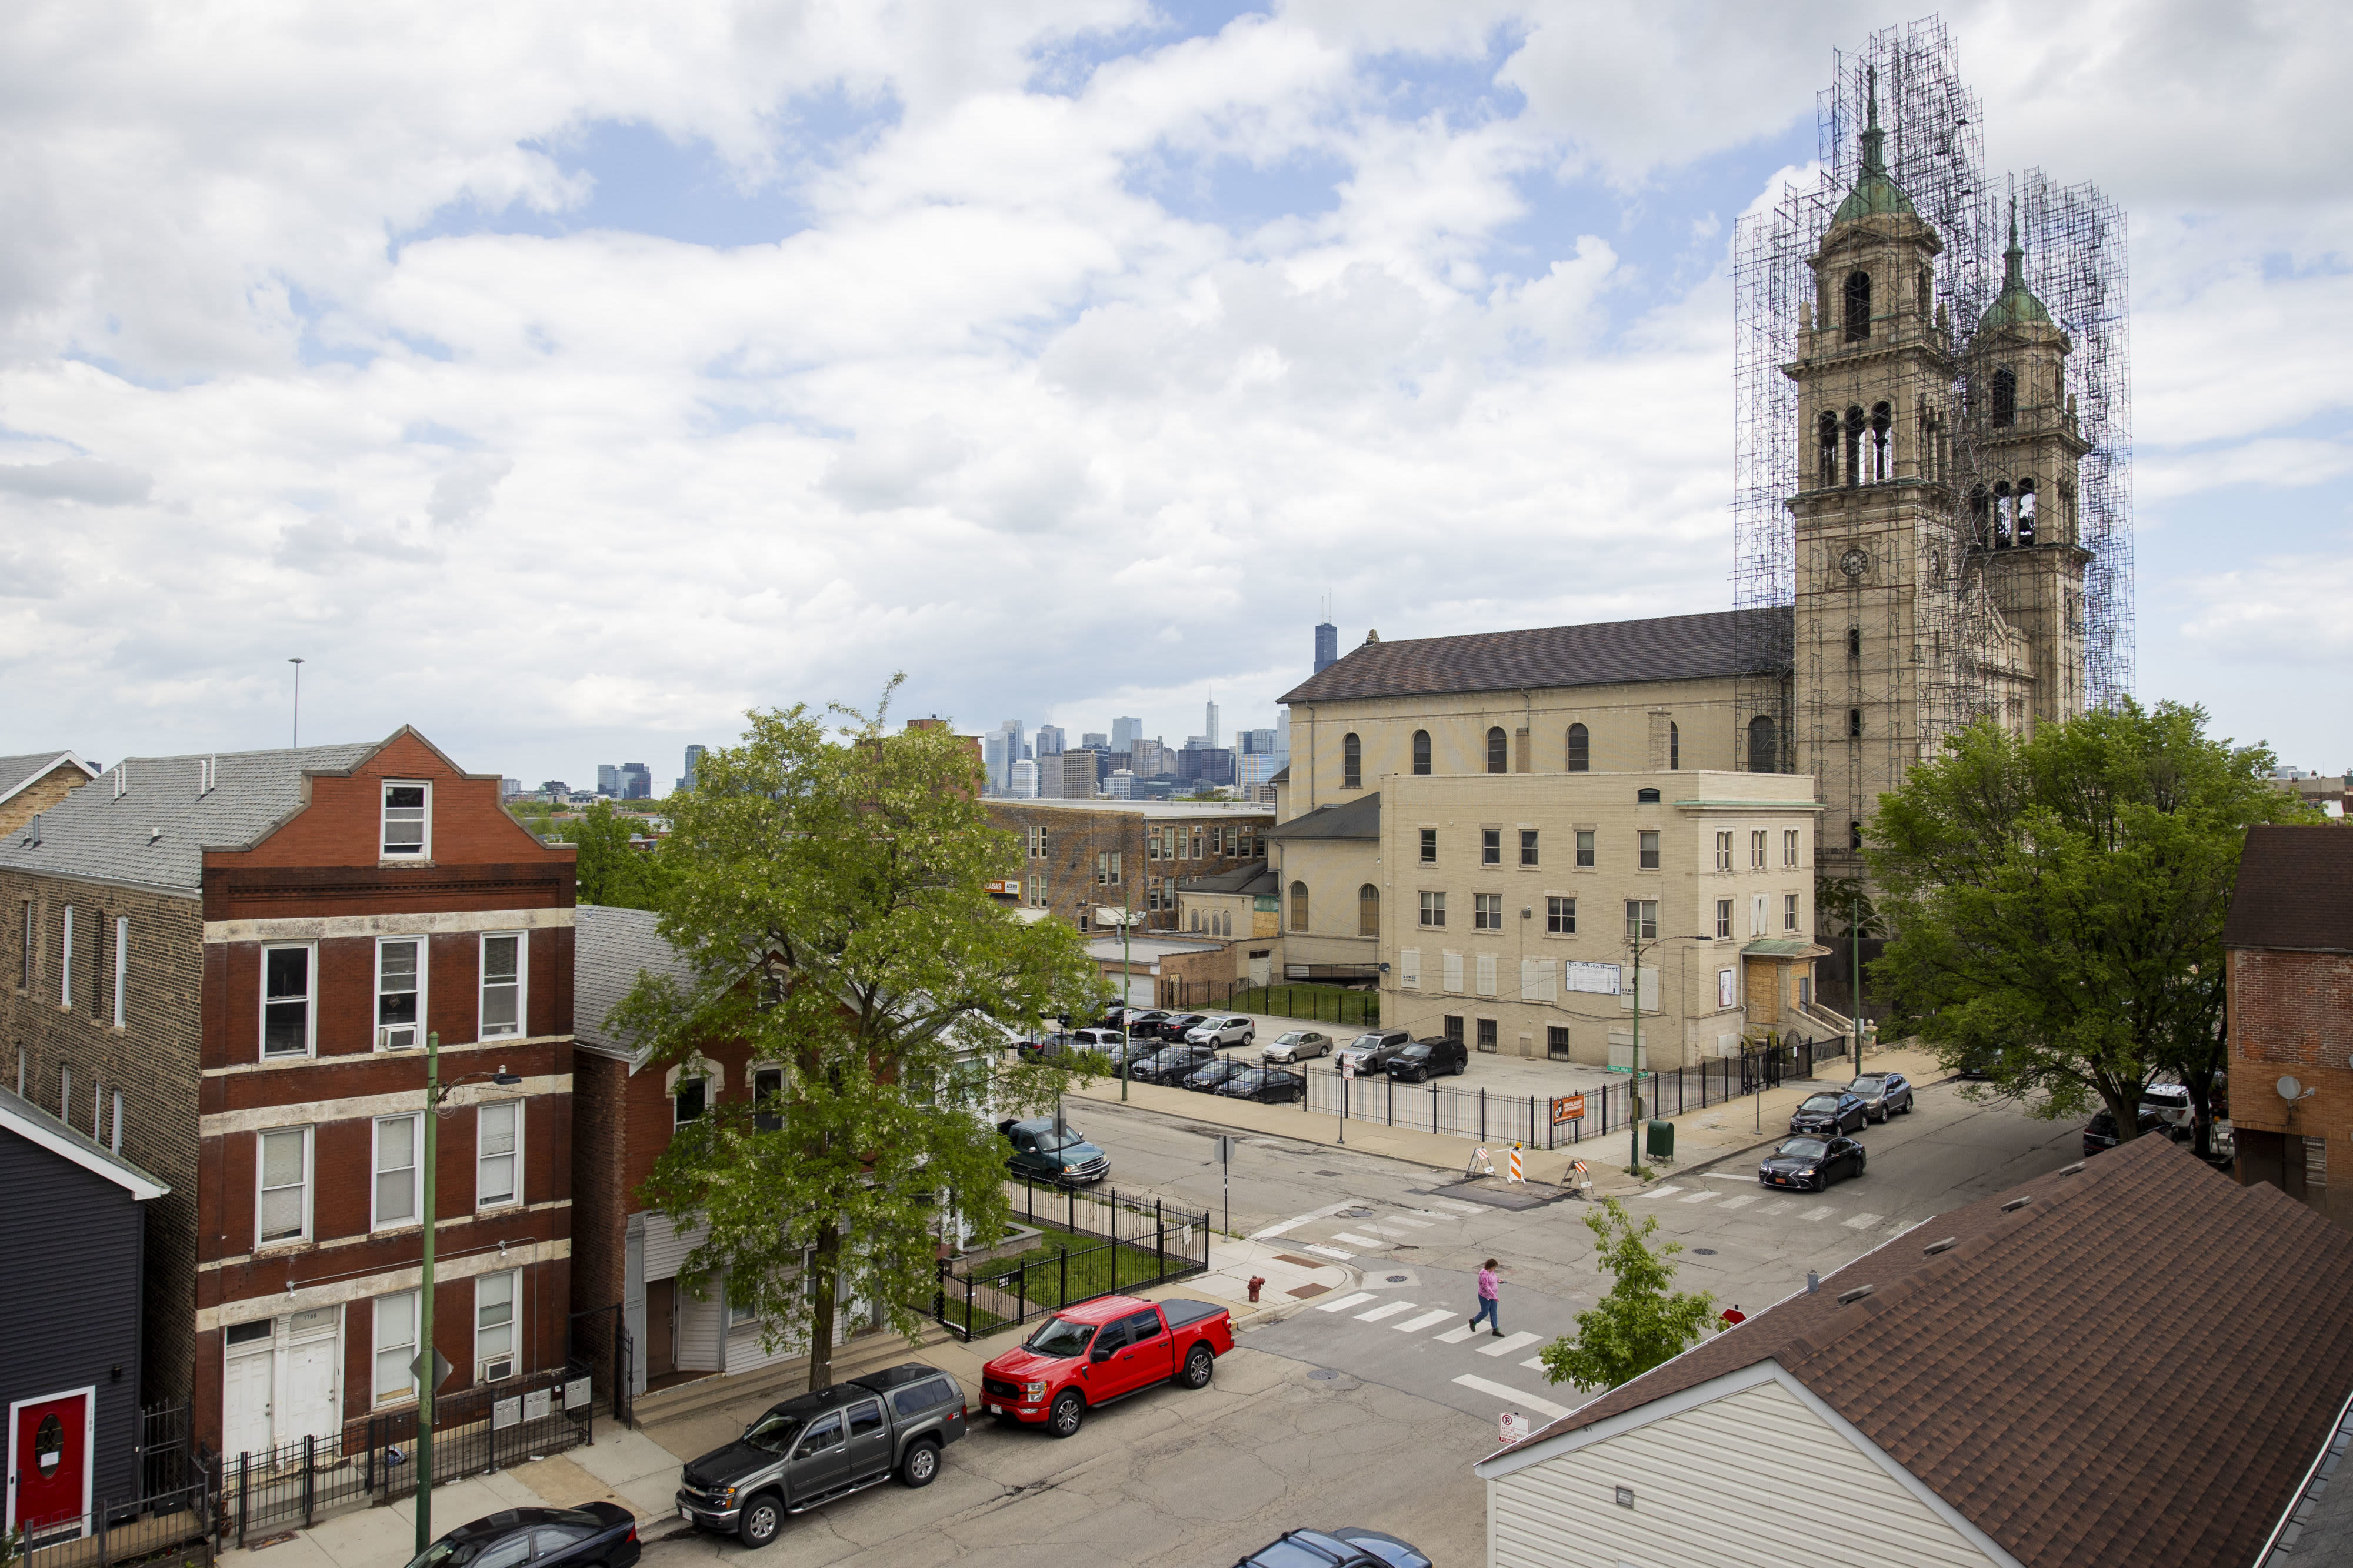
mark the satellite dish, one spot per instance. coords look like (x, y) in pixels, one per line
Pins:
(2290, 1090)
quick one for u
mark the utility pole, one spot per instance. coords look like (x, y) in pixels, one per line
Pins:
(1634, 1102)
(1855, 927)
(1126, 982)
(298, 730)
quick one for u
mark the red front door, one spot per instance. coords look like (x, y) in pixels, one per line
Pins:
(48, 1464)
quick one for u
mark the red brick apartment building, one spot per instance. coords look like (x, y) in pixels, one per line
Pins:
(2288, 940)
(226, 968)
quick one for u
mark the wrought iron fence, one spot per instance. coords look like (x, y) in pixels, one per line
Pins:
(1345, 1006)
(1067, 1246)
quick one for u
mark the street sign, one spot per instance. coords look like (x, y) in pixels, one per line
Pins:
(1516, 1427)
(441, 1368)
(1225, 1151)
(1568, 1108)
(1347, 1067)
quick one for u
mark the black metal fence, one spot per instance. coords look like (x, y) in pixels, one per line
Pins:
(1084, 1244)
(374, 1461)
(1562, 1121)
(168, 1515)
(1343, 1005)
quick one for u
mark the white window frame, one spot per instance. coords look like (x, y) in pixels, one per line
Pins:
(376, 1173)
(514, 1154)
(1723, 919)
(375, 992)
(1789, 911)
(310, 1001)
(706, 1080)
(384, 849)
(512, 1355)
(65, 959)
(1760, 915)
(404, 1388)
(122, 970)
(521, 1026)
(260, 1173)
(1724, 849)
(1788, 847)
(1756, 849)
(1552, 914)
(1487, 912)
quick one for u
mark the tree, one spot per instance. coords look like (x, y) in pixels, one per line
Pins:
(1843, 910)
(2057, 903)
(1640, 1323)
(611, 870)
(829, 893)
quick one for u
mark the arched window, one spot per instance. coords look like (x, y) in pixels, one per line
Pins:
(1646, 797)
(1299, 906)
(1352, 762)
(2005, 396)
(1858, 304)
(1674, 745)
(2004, 516)
(1194, 918)
(1826, 430)
(2026, 509)
(1764, 746)
(1421, 750)
(1496, 751)
(1855, 425)
(1368, 911)
(1581, 749)
(1854, 642)
(1882, 418)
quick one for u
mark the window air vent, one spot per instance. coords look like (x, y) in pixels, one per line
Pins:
(2016, 1204)
(1935, 1247)
(122, 779)
(33, 829)
(154, 834)
(1857, 1294)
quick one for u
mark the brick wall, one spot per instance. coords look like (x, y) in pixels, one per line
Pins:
(2291, 1015)
(39, 795)
(153, 1061)
(1075, 837)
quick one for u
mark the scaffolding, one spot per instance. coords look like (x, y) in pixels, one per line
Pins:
(1957, 656)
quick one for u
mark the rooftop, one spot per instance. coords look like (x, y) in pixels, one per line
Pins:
(610, 948)
(1665, 648)
(35, 1125)
(16, 773)
(1358, 818)
(2295, 891)
(1154, 808)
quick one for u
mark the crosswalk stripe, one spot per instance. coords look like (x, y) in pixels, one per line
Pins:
(1458, 1208)
(1389, 1311)
(1456, 1336)
(1741, 1202)
(1320, 1250)
(1355, 1240)
(1699, 1197)
(1778, 1206)
(1864, 1221)
(1416, 1223)
(1344, 1302)
(1659, 1192)
(1534, 1363)
(1387, 1230)
(1509, 1343)
(1427, 1320)
(1819, 1214)
(1513, 1396)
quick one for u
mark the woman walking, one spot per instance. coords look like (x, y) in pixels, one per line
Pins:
(1488, 1290)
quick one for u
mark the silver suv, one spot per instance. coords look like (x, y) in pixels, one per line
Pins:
(1221, 1030)
(1371, 1051)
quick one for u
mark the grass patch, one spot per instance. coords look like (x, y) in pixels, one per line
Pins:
(1092, 1268)
(1316, 1004)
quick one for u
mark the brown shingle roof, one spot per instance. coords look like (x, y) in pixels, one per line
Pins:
(2136, 1367)
(2295, 891)
(1666, 648)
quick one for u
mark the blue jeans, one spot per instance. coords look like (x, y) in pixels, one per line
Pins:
(1487, 1305)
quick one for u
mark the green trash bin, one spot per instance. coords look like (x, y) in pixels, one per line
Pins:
(1661, 1145)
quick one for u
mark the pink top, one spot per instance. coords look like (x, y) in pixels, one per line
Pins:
(1486, 1284)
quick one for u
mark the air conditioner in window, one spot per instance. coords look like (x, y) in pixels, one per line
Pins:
(395, 1038)
(494, 1369)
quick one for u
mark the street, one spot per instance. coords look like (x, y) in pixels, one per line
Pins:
(1369, 1407)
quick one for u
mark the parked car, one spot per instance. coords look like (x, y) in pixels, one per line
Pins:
(1350, 1546)
(1146, 1025)
(1061, 1046)
(817, 1446)
(1883, 1094)
(1833, 1111)
(1129, 1053)
(1175, 1026)
(1099, 1350)
(1172, 1063)
(1046, 1150)
(1977, 1064)
(1425, 1059)
(1222, 1030)
(1204, 1078)
(1270, 1086)
(1371, 1051)
(1297, 1045)
(2173, 1105)
(599, 1533)
(2100, 1132)
(1811, 1161)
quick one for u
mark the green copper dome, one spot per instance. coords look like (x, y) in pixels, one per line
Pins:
(2016, 305)
(1875, 192)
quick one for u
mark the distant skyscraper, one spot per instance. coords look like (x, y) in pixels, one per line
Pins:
(637, 781)
(1254, 742)
(1050, 740)
(608, 779)
(510, 788)
(1100, 741)
(992, 759)
(1209, 727)
(1125, 732)
(1012, 728)
(1121, 785)
(1327, 646)
(1025, 780)
(693, 757)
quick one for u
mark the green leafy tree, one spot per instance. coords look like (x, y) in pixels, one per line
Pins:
(2057, 903)
(612, 871)
(1640, 1322)
(829, 892)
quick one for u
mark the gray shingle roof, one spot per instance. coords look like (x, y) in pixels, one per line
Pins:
(16, 773)
(1356, 819)
(90, 833)
(610, 947)
(1666, 648)
(1249, 877)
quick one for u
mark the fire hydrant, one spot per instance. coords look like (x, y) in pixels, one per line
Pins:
(1255, 1285)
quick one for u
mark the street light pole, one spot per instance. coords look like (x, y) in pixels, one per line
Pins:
(1634, 1096)
(1855, 927)
(298, 727)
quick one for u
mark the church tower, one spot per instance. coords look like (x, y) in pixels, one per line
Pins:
(1873, 509)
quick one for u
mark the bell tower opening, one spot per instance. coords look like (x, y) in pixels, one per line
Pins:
(1858, 305)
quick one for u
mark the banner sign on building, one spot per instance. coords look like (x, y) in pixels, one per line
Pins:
(1601, 979)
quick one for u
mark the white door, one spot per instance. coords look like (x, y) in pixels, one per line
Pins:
(308, 1405)
(245, 1400)
(1260, 967)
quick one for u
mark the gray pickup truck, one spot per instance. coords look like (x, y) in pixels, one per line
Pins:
(818, 1447)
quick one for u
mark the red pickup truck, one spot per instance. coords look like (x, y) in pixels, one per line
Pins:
(1099, 1350)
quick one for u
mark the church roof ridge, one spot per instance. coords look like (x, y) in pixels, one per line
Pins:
(1663, 647)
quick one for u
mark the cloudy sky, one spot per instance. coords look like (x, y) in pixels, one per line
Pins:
(564, 379)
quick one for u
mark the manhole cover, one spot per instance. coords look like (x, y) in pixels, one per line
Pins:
(1703, 1251)
(1400, 1278)
(1356, 1214)
(1323, 1374)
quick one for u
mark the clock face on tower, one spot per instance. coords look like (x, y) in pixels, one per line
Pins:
(1855, 561)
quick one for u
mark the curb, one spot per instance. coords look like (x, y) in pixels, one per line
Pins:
(1276, 1311)
(1748, 1149)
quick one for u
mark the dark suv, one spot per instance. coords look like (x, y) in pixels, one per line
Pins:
(1425, 1059)
(1047, 1150)
(820, 1447)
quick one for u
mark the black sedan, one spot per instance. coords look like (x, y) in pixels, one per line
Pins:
(1270, 1086)
(1171, 1064)
(599, 1535)
(1173, 1026)
(1146, 1025)
(1883, 1094)
(1810, 1163)
(1206, 1078)
(1828, 1113)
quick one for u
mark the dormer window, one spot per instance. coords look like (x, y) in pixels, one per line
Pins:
(408, 820)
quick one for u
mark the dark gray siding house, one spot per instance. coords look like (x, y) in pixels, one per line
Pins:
(72, 1233)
